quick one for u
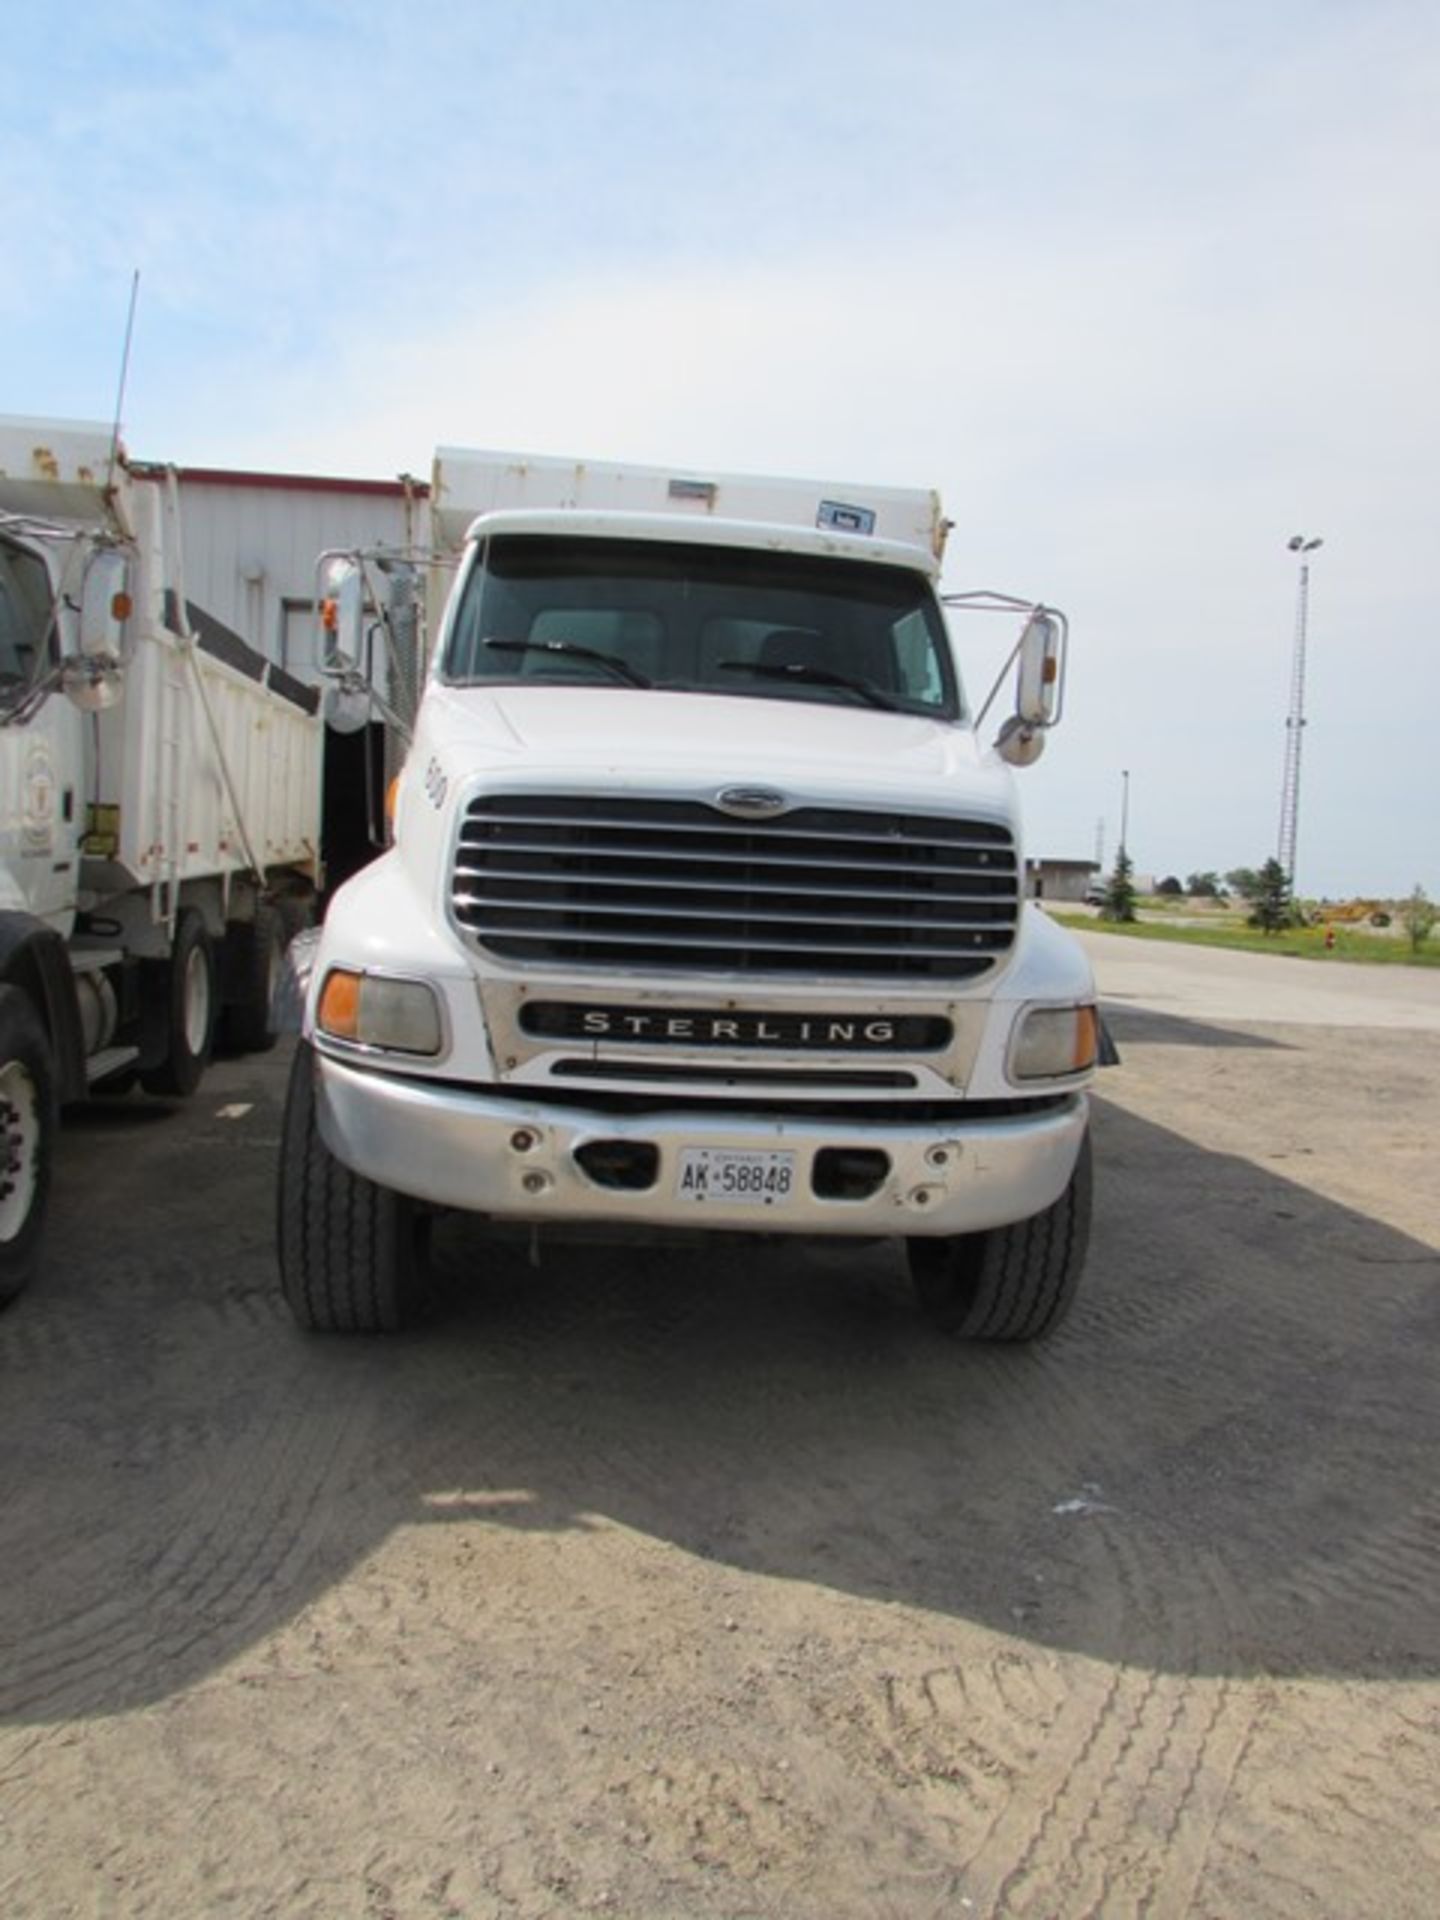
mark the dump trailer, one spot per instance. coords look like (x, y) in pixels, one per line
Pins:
(704, 909)
(159, 807)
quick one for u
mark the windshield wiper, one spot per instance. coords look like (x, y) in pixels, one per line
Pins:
(816, 676)
(572, 650)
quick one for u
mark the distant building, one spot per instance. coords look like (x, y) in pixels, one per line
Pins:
(1047, 879)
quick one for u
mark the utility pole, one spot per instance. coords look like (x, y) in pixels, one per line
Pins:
(1295, 718)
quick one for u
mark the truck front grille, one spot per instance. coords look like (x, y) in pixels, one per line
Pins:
(677, 886)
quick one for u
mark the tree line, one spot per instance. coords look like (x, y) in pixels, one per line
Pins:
(1266, 889)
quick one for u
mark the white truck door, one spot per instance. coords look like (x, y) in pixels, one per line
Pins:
(41, 752)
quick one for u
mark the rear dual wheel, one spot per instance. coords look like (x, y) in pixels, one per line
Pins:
(182, 1001)
(254, 961)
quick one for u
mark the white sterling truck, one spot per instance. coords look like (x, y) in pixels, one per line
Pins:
(704, 907)
(159, 807)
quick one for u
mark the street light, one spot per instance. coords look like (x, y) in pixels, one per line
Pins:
(1300, 546)
(1124, 811)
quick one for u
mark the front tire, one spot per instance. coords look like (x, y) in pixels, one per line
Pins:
(28, 1119)
(182, 1009)
(1015, 1282)
(352, 1254)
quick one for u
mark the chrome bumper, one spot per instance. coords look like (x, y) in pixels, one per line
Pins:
(517, 1159)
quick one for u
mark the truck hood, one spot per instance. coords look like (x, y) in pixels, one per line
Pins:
(632, 739)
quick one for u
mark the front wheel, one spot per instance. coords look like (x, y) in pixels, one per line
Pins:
(27, 1139)
(1014, 1282)
(352, 1254)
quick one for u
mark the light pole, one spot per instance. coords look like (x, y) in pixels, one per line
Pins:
(1300, 546)
(1124, 812)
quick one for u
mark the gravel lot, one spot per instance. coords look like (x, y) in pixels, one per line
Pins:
(657, 1582)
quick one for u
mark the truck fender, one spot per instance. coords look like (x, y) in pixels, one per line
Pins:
(287, 1015)
(33, 957)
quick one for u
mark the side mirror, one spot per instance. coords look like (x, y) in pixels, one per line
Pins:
(94, 677)
(1040, 681)
(342, 614)
(105, 606)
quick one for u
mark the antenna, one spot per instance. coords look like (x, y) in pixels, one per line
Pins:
(124, 374)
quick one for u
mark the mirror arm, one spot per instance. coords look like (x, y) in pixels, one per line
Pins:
(984, 600)
(1000, 680)
(1040, 650)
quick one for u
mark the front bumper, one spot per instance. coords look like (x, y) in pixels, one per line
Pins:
(517, 1159)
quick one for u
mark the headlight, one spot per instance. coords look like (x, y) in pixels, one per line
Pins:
(376, 1010)
(1054, 1042)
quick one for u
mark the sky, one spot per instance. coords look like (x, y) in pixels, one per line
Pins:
(1143, 289)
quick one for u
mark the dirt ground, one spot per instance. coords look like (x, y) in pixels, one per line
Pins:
(677, 1582)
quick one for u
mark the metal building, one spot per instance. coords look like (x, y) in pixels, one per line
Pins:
(252, 541)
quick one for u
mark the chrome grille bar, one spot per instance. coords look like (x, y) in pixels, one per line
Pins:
(495, 910)
(676, 885)
(531, 881)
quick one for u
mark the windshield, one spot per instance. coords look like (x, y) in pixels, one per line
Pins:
(652, 614)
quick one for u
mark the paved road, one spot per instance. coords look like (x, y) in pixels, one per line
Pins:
(1214, 983)
(710, 1584)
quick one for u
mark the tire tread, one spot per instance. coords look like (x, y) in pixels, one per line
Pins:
(349, 1249)
(1014, 1282)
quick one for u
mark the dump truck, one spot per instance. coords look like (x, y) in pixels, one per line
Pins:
(704, 909)
(159, 807)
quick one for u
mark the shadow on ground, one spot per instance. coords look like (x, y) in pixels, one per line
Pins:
(1225, 1462)
(1142, 1026)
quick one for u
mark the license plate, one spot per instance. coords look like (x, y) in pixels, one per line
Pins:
(753, 1177)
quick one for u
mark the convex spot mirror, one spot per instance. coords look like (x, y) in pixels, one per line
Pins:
(1019, 743)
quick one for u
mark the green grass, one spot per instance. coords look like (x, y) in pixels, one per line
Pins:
(1304, 943)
